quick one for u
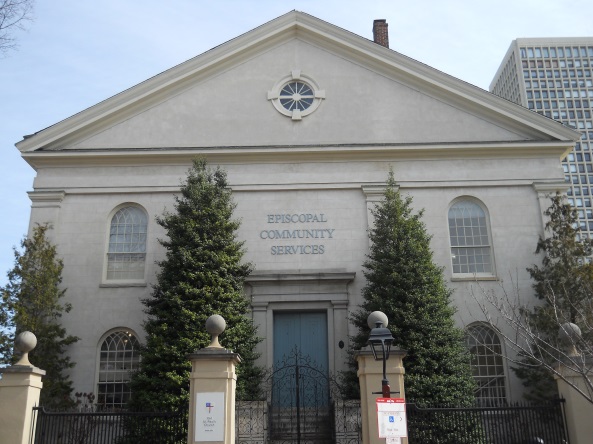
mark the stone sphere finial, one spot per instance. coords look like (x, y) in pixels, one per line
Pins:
(377, 316)
(570, 334)
(25, 342)
(215, 325)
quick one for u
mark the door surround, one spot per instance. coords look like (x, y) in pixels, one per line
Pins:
(301, 291)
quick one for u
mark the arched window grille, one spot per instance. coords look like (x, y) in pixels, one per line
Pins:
(119, 356)
(471, 252)
(487, 364)
(127, 244)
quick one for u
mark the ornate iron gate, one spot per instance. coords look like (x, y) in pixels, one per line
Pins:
(300, 404)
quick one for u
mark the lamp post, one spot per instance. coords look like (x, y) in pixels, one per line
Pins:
(380, 341)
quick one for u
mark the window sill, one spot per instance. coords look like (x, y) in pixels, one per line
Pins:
(473, 277)
(121, 284)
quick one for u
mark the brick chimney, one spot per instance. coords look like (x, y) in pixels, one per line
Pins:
(380, 32)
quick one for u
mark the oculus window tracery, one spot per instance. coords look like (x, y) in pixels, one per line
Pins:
(296, 96)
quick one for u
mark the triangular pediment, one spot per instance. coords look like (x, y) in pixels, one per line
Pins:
(368, 95)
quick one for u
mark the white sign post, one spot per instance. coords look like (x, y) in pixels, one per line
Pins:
(209, 425)
(392, 422)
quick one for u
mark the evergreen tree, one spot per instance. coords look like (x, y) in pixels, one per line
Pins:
(564, 284)
(6, 336)
(405, 284)
(31, 302)
(202, 275)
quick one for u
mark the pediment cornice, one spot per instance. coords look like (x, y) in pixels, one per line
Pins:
(317, 153)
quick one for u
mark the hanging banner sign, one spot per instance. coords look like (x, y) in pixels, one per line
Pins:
(391, 417)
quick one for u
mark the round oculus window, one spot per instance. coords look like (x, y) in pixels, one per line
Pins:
(296, 95)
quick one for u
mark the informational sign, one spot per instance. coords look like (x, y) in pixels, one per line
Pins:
(391, 416)
(210, 409)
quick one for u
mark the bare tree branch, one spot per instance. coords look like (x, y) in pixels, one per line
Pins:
(14, 14)
(504, 312)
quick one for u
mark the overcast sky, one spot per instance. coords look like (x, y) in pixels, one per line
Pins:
(77, 53)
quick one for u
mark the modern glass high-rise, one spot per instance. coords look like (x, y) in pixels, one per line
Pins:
(554, 77)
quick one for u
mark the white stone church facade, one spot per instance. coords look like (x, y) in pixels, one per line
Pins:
(307, 119)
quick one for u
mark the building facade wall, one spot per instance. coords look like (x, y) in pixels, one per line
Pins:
(322, 273)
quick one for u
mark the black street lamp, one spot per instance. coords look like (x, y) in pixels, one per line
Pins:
(380, 341)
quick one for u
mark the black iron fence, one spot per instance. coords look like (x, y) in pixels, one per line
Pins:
(120, 427)
(516, 424)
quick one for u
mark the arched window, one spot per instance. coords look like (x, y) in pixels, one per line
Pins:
(127, 244)
(470, 242)
(117, 359)
(487, 365)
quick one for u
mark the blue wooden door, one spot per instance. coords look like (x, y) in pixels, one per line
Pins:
(300, 401)
(300, 377)
(306, 332)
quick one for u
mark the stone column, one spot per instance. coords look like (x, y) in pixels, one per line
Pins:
(212, 390)
(370, 375)
(19, 393)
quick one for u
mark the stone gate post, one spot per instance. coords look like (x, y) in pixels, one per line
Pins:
(574, 374)
(212, 390)
(370, 375)
(578, 411)
(19, 393)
